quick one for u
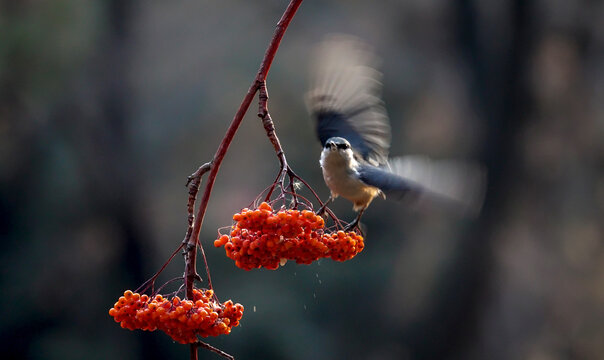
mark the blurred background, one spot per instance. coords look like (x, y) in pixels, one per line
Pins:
(107, 106)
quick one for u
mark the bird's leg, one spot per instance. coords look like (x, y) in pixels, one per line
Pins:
(321, 211)
(355, 222)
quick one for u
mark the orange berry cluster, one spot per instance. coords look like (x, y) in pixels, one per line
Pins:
(265, 238)
(182, 320)
(343, 245)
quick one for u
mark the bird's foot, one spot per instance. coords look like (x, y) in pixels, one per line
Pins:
(352, 225)
(197, 277)
(323, 209)
(355, 222)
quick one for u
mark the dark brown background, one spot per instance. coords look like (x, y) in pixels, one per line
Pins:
(107, 106)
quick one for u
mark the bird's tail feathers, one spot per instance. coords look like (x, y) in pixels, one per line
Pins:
(459, 185)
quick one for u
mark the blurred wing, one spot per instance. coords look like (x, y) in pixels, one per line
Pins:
(345, 98)
(455, 184)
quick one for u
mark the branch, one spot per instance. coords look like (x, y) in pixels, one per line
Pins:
(228, 137)
(268, 124)
(193, 238)
(269, 127)
(190, 251)
(207, 346)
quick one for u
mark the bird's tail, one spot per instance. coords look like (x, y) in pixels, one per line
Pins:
(460, 185)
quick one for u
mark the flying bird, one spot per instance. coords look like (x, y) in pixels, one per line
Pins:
(353, 127)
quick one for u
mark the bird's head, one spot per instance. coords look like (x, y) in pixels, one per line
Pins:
(337, 146)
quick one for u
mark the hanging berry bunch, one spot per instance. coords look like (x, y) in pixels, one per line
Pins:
(182, 320)
(263, 237)
(260, 237)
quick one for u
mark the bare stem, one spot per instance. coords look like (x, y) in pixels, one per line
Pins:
(190, 251)
(207, 346)
(268, 124)
(151, 281)
(193, 352)
(269, 127)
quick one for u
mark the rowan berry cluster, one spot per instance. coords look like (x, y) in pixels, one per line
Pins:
(182, 320)
(266, 238)
(343, 245)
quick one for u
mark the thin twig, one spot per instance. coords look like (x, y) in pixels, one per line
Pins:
(207, 346)
(293, 175)
(166, 284)
(193, 352)
(268, 124)
(193, 183)
(151, 281)
(269, 127)
(190, 250)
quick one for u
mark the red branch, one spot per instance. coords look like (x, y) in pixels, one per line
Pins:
(269, 127)
(193, 239)
(207, 346)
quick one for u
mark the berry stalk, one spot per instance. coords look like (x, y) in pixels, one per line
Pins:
(285, 169)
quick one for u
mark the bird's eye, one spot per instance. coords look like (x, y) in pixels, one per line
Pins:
(343, 146)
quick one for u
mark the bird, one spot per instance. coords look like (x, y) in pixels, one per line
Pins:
(352, 125)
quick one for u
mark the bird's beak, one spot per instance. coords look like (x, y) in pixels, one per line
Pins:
(332, 146)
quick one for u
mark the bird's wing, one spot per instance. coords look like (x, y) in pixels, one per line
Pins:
(421, 181)
(344, 99)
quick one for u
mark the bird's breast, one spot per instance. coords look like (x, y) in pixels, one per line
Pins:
(342, 180)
